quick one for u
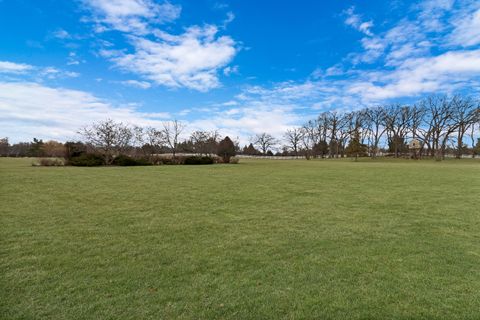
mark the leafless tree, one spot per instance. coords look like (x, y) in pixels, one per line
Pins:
(294, 138)
(205, 142)
(472, 135)
(153, 141)
(264, 141)
(376, 118)
(108, 137)
(334, 120)
(397, 122)
(170, 134)
(464, 115)
(439, 124)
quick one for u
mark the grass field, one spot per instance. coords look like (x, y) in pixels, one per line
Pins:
(323, 239)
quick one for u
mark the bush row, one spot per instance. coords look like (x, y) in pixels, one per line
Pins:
(95, 160)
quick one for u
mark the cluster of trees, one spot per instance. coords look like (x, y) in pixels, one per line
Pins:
(36, 148)
(441, 125)
(111, 141)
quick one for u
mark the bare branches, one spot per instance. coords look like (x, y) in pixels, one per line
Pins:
(264, 141)
(170, 134)
(109, 137)
(294, 137)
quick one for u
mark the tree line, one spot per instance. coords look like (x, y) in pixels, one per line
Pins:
(439, 125)
(436, 125)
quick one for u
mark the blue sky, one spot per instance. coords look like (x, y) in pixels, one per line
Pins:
(242, 67)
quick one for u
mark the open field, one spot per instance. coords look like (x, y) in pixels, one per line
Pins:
(323, 239)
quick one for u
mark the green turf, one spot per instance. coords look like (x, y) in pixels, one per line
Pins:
(323, 239)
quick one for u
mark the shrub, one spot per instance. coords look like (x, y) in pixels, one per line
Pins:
(123, 160)
(234, 160)
(74, 149)
(49, 162)
(199, 160)
(87, 160)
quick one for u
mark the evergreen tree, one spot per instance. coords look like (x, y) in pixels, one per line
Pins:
(226, 149)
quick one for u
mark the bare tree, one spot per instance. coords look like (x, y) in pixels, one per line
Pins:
(205, 142)
(464, 115)
(397, 121)
(171, 133)
(153, 141)
(294, 138)
(264, 141)
(376, 117)
(108, 137)
(334, 122)
(440, 124)
(472, 134)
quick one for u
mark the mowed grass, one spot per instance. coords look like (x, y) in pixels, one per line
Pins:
(320, 239)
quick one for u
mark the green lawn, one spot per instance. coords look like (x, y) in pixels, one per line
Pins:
(320, 239)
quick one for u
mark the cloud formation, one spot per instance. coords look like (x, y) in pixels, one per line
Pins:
(190, 60)
(33, 110)
(132, 16)
(12, 67)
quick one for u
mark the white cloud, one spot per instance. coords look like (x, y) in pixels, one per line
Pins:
(229, 19)
(32, 110)
(12, 67)
(133, 16)
(137, 84)
(61, 34)
(414, 76)
(54, 73)
(230, 70)
(249, 119)
(190, 60)
(467, 29)
(432, 14)
(355, 21)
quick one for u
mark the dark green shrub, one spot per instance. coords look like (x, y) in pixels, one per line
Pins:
(87, 160)
(226, 149)
(123, 160)
(199, 160)
(74, 149)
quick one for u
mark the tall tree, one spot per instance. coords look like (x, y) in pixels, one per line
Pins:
(264, 141)
(171, 134)
(376, 117)
(226, 149)
(464, 115)
(294, 138)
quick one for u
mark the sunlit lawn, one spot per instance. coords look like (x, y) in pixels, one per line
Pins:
(264, 239)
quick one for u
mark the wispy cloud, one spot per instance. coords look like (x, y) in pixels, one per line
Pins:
(13, 67)
(356, 21)
(137, 84)
(133, 16)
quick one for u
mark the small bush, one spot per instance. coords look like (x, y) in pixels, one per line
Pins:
(87, 160)
(123, 160)
(199, 160)
(234, 160)
(49, 162)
